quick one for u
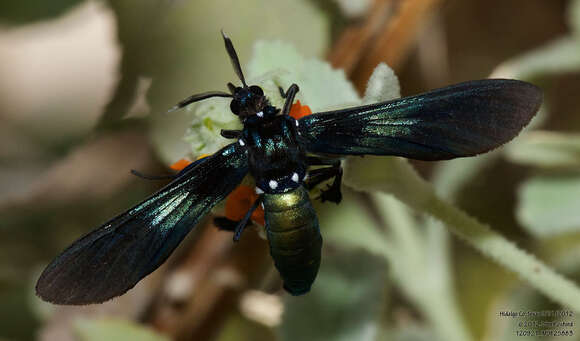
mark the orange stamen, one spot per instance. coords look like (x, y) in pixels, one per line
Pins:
(240, 201)
(180, 165)
(298, 110)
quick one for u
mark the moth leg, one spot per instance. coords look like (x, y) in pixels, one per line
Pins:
(237, 227)
(231, 87)
(231, 134)
(283, 94)
(289, 96)
(225, 224)
(332, 193)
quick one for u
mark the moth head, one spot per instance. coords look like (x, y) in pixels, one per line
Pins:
(248, 101)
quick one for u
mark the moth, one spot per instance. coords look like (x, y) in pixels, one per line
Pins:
(279, 152)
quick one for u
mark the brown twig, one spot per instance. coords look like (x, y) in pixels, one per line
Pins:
(351, 45)
(387, 35)
(203, 290)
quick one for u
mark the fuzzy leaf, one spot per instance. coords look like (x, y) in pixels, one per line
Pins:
(549, 205)
(339, 226)
(273, 64)
(546, 150)
(113, 330)
(321, 86)
(383, 85)
(558, 56)
(394, 176)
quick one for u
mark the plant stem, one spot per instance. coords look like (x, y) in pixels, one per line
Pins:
(396, 176)
(427, 285)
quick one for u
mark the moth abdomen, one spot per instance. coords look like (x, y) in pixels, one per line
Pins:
(294, 237)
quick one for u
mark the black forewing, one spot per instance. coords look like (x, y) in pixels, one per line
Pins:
(460, 120)
(110, 260)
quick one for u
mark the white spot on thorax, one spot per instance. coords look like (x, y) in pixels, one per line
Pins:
(241, 142)
(273, 184)
(295, 177)
(260, 114)
(297, 124)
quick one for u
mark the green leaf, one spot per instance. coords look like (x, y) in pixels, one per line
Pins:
(113, 330)
(546, 150)
(24, 12)
(549, 206)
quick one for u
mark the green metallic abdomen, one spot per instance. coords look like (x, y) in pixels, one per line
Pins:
(294, 236)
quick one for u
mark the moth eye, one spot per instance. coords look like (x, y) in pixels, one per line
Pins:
(234, 107)
(256, 90)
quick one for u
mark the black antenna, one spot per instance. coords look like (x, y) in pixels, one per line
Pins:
(231, 87)
(199, 97)
(234, 58)
(153, 177)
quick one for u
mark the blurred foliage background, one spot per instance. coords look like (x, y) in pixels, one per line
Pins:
(83, 90)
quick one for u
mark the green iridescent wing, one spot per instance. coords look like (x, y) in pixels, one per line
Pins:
(110, 260)
(460, 120)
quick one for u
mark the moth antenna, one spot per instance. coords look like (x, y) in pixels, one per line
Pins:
(199, 97)
(231, 87)
(234, 58)
(153, 177)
